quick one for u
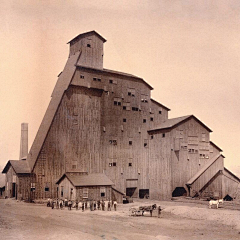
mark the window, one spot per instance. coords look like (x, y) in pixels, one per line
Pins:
(144, 120)
(145, 143)
(117, 101)
(114, 164)
(130, 143)
(46, 189)
(102, 191)
(113, 142)
(99, 79)
(82, 76)
(163, 135)
(144, 98)
(135, 109)
(124, 120)
(85, 192)
(33, 187)
(151, 136)
(130, 164)
(151, 119)
(112, 81)
(94, 79)
(88, 45)
(61, 191)
(126, 106)
(74, 166)
(131, 92)
(160, 111)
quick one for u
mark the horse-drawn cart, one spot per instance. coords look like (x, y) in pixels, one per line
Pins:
(140, 211)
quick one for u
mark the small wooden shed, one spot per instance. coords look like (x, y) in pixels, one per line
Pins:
(82, 186)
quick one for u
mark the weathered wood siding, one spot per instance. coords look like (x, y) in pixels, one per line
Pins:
(91, 49)
(189, 140)
(68, 190)
(9, 179)
(204, 179)
(94, 193)
(214, 187)
(73, 141)
(24, 187)
(160, 175)
(230, 185)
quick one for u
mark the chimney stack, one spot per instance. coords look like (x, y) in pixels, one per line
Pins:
(24, 141)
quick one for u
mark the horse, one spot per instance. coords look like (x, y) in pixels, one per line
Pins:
(213, 202)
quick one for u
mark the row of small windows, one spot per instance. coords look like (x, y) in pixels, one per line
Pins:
(130, 142)
(114, 164)
(97, 79)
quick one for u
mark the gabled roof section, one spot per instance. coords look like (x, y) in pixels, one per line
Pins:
(227, 170)
(203, 169)
(174, 122)
(107, 71)
(160, 105)
(60, 87)
(93, 179)
(19, 166)
(218, 148)
(88, 34)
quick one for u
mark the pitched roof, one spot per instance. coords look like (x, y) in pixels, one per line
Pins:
(88, 34)
(61, 85)
(219, 149)
(92, 179)
(104, 70)
(174, 122)
(19, 166)
(161, 105)
(227, 170)
(203, 169)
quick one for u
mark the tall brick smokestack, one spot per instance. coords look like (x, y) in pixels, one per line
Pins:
(24, 141)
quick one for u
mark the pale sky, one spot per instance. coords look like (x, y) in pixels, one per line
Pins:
(189, 51)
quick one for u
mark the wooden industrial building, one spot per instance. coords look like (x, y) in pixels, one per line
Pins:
(103, 125)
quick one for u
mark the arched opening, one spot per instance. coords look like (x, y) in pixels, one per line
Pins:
(179, 191)
(227, 198)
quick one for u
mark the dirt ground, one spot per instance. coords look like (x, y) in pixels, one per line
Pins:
(181, 220)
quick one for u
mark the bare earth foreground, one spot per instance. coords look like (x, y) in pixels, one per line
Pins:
(179, 220)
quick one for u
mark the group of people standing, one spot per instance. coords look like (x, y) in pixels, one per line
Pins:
(84, 205)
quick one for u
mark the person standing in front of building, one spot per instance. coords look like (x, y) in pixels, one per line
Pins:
(115, 205)
(109, 205)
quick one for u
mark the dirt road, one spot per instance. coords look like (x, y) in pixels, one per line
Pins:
(182, 221)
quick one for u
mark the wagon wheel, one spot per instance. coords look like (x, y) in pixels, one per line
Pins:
(132, 211)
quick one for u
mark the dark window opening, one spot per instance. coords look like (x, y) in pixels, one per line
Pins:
(110, 81)
(163, 135)
(94, 79)
(124, 120)
(88, 45)
(144, 120)
(130, 164)
(129, 94)
(130, 191)
(135, 109)
(179, 191)
(46, 189)
(114, 164)
(151, 119)
(115, 103)
(124, 108)
(228, 198)
(143, 193)
(102, 194)
(99, 79)
(81, 76)
(160, 112)
(145, 144)
(119, 104)
(113, 142)
(151, 136)
(130, 142)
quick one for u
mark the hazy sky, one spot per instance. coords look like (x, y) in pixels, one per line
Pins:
(189, 51)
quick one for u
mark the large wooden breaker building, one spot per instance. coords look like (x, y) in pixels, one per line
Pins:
(105, 122)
